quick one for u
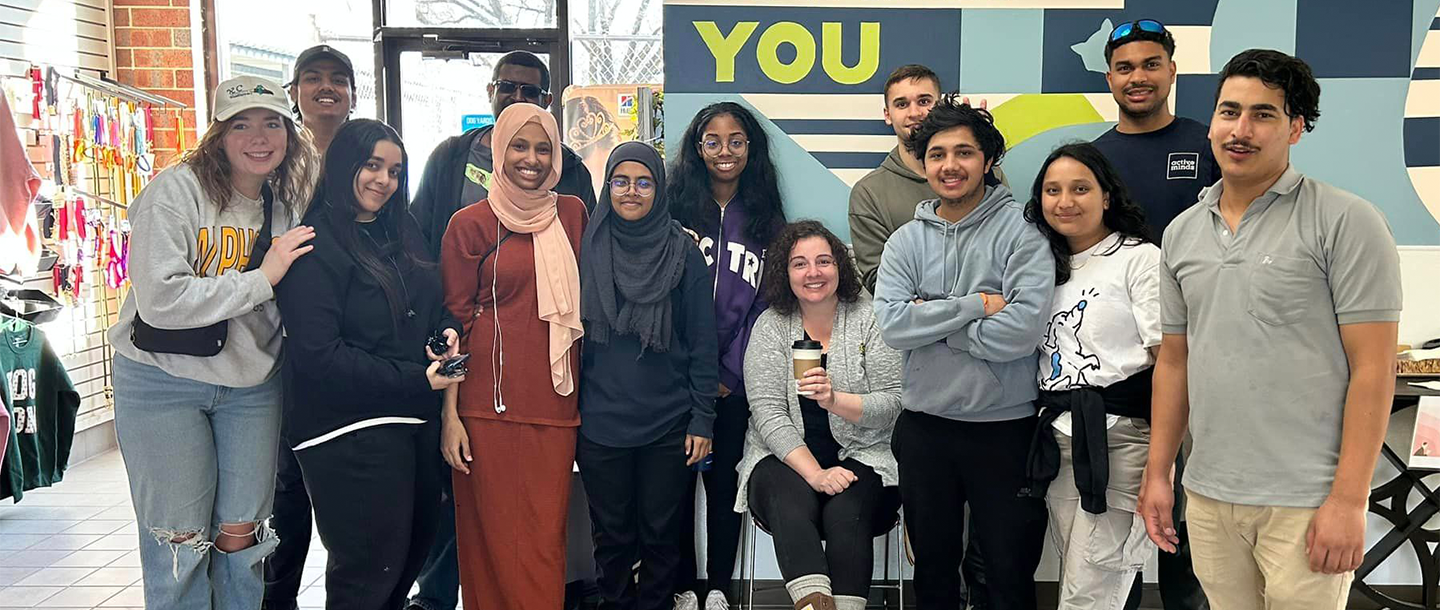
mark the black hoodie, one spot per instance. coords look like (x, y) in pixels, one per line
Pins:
(346, 360)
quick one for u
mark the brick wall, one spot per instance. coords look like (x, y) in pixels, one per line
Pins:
(152, 52)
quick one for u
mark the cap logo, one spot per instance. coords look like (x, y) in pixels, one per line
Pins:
(239, 91)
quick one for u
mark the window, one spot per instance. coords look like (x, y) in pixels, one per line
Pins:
(263, 38)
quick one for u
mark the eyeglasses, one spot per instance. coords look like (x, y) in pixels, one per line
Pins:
(527, 91)
(713, 147)
(1126, 30)
(643, 186)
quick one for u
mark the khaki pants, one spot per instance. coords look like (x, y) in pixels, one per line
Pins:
(1253, 558)
(1101, 554)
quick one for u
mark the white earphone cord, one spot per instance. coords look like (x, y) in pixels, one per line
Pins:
(497, 363)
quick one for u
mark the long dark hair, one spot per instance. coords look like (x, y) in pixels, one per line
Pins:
(336, 204)
(689, 190)
(1123, 216)
(776, 290)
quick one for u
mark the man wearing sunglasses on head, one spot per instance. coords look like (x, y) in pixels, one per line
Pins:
(458, 171)
(458, 175)
(1164, 161)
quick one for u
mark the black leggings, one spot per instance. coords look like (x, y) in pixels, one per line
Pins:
(799, 518)
(376, 494)
(722, 523)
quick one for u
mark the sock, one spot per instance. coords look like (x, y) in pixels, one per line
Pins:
(806, 585)
(849, 602)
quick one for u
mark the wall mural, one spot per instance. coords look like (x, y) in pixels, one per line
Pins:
(814, 71)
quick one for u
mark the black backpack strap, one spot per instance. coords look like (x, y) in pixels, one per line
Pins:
(266, 234)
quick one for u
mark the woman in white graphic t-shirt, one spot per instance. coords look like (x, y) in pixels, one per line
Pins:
(1095, 364)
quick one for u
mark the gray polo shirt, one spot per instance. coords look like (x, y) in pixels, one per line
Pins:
(1261, 310)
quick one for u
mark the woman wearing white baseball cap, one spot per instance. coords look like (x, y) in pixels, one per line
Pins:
(197, 394)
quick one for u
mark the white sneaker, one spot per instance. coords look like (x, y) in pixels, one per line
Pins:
(716, 601)
(687, 601)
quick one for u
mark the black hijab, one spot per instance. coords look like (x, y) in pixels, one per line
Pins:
(629, 268)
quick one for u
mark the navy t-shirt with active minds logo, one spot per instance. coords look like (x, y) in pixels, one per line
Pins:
(1163, 169)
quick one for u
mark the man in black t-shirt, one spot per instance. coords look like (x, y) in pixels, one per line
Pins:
(1165, 161)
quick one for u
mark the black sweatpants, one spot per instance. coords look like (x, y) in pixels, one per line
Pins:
(635, 494)
(722, 523)
(291, 521)
(799, 518)
(376, 495)
(945, 464)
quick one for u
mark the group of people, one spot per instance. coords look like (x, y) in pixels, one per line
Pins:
(1034, 364)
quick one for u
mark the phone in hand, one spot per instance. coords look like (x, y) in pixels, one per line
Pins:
(455, 367)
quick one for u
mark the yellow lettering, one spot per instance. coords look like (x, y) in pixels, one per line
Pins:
(767, 53)
(229, 249)
(724, 48)
(206, 248)
(833, 60)
(248, 246)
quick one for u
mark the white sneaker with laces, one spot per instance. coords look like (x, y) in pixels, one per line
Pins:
(716, 601)
(687, 601)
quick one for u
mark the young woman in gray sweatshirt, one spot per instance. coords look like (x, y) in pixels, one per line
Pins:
(199, 433)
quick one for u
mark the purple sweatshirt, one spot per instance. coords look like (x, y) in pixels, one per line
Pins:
(735, 263)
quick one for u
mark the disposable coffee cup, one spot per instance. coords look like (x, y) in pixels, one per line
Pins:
(806, 354)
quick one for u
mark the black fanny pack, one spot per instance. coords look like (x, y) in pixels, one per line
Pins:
(209, 340)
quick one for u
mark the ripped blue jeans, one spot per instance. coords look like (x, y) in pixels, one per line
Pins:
(198, 455)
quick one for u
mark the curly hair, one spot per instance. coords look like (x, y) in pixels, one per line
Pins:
(950, 112)
(1291, 75)
(1124, 216)
(776, 290)
(689, 191)
(293, 181)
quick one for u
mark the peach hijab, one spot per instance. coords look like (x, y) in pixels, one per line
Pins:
(557, 276)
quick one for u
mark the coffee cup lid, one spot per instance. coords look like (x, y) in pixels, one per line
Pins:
(807, 344)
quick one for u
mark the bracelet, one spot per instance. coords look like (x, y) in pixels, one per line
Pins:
(984, 301)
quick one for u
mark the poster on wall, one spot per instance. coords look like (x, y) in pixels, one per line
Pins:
(814, 71)
(597, 119)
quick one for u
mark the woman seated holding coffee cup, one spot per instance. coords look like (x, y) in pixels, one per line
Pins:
(817, 463)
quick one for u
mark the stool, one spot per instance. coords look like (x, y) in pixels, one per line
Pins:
(747, 567)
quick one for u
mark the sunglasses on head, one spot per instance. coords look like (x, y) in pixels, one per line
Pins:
(527, 91)
(1143, 25)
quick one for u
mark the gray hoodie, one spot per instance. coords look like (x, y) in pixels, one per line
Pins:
(959, 363)
(881, 202)
(186, 262)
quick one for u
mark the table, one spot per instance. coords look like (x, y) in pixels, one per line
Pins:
(1389, 501)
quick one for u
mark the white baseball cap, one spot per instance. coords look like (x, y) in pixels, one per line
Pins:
(245, 92)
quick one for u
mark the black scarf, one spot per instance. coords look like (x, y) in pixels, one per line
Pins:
(628, 269)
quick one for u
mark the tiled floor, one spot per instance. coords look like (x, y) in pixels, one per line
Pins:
(75, 545)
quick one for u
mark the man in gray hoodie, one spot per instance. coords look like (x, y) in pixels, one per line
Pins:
(962, 291)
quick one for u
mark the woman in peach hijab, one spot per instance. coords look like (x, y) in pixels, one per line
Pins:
(511, 278)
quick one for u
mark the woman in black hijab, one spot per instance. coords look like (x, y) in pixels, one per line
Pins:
(648, 309)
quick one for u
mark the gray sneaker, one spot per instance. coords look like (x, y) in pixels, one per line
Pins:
(687, 601)
(716, 601)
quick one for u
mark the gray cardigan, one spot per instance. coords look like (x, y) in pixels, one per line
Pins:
(859, 362)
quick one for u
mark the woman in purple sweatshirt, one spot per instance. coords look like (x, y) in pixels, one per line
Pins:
(724, 188)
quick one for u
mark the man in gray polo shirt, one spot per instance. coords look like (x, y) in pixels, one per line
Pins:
(1280, 299)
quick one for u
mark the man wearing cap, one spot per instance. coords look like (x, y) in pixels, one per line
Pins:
(323, 91)
(323, 88)
(458, 171)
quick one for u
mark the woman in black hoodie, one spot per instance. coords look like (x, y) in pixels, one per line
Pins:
(649, 372)
(362, 389)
